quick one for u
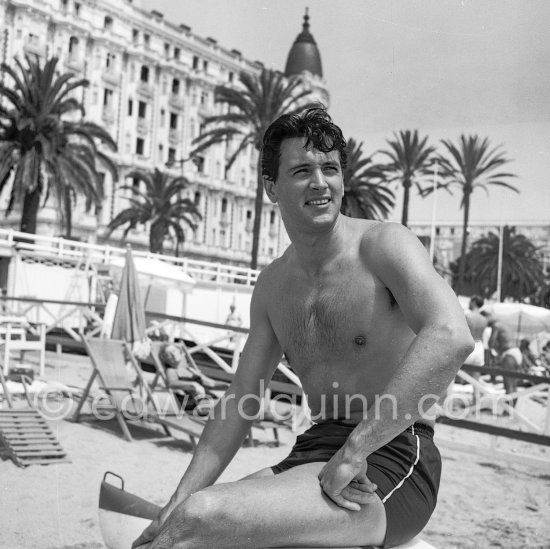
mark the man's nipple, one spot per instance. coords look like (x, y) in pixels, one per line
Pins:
(360, 340)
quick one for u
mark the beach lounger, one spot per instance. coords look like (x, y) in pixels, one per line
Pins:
(208, 383)
(25, 436)
(123, 516)
(109, 360)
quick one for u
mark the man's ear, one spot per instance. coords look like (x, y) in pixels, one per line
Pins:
(270, 189)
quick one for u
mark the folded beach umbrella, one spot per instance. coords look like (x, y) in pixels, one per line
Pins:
(129, 320)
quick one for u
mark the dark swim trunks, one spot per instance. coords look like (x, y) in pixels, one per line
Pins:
(406, 471)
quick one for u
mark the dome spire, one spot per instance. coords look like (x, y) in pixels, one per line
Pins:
(304, 54)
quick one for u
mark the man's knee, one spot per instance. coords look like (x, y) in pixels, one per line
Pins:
(203, 516)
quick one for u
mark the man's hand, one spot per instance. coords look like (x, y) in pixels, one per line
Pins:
(345, 481)
(147, 536)
(152, 531)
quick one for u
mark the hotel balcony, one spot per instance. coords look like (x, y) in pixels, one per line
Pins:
(144, 88)
(176, 101)
(111, 76)
(108, 115)
(174, 136)
(142, 126)
(75, 63)
(225, 221)
(34, 46)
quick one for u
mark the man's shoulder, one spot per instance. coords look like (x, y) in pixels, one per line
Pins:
(272, 273)
(382, 238)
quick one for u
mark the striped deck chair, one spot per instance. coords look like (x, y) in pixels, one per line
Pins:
(209, 383)
(109, 359)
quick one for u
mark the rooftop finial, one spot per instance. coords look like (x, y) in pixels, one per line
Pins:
(306, 20)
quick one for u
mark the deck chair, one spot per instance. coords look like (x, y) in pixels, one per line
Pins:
(194, 377)
(25, 436)
(109, 358)
(210, 384)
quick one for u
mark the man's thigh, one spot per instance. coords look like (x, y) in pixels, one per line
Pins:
(286, 510)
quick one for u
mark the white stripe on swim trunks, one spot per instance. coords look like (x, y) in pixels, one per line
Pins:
(411, 469)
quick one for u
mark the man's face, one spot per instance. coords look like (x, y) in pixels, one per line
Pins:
(309, 187)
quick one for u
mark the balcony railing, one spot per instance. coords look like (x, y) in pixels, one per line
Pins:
(143, 126)
(75, 63)
(111, 76)
(108, 115)
(174, 136)
(144, 88)
(176, 101)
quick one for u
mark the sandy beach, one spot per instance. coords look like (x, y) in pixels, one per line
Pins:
(482, 502)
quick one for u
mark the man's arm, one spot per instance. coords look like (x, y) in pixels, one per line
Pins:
(234, 412)
(442, 342)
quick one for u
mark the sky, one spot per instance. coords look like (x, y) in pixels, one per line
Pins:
(443, 67)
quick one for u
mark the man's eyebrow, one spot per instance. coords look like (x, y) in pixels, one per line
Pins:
(308, 164)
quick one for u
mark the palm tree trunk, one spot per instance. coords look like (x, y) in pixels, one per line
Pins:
(462, 260)
(258, 206)
(68, 214)
(406, 195)
(31, 204)
(156, 237)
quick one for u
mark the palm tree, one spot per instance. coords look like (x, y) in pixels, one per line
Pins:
(161, 205)
(43, 152)
(410, 159)
(364, 194)
(522, 267)
(470, 165)
(251, 107)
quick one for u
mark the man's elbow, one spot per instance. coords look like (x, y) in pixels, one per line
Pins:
(458, 339)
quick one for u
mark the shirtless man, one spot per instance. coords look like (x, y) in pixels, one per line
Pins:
(359, 312)
(502, 342)
(477, 324)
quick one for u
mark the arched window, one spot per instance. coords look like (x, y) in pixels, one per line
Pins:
(73, 45)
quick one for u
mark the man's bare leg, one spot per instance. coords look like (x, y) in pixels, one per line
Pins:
(267, 511)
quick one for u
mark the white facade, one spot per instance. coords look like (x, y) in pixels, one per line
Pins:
(151, 85)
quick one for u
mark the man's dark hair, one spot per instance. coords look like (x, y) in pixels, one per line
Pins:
(477, 300)
(315, 124)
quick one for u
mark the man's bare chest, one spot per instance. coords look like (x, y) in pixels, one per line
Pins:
(332, 317)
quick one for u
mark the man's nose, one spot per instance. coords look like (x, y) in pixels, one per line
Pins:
(318, 180)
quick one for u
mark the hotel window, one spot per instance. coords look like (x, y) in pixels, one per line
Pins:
(161, 152)
(107, 97)
(166, 50)
(108, 23)
(64, 4)
(173, 121)
(195, 62)
(205, 66)
(177, 53)
(162, 117)
(230, 77)
(171, 155)
(130, 107)
(197, 199)
(144, 73)
(146, 40)
(224, 206)
(73, 45)
(77, 9)
(135, 36)
(175, 86)
(140, 145)
(142, 109)
(110, 60)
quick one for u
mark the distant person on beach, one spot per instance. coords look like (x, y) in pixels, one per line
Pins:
(477, 324)
(509, 355)
(233, 318)
(375, 336)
